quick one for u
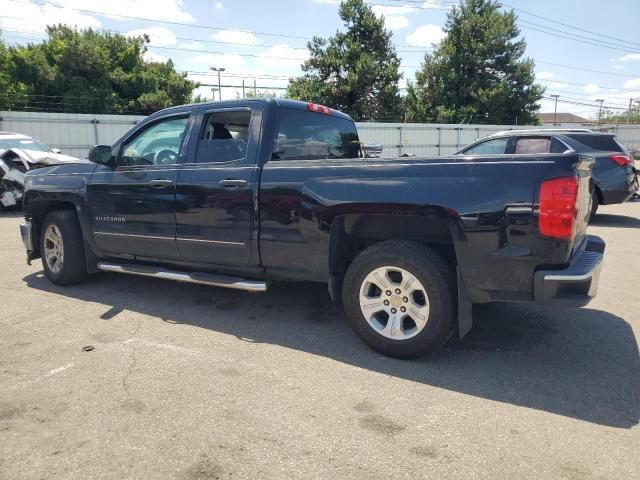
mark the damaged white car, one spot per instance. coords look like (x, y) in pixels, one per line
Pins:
(18, 154)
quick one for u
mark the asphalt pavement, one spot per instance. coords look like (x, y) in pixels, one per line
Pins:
(136, 378)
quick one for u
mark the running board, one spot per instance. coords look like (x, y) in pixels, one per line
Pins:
(201, 278)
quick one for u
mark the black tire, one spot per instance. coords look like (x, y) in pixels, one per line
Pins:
(595, 203)
(428, 268)
(74, 267)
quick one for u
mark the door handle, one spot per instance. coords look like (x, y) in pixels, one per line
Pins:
(160, 183)
(232, 183)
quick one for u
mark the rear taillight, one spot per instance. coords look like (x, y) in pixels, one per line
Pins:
(620, 159)
(558, 210)
(314, 107)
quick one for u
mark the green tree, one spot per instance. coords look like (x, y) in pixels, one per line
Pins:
(628, 116)
(258, 94)
(356, 71)
(199, 98)
(87, 71)
(478, 73)
(11, 92)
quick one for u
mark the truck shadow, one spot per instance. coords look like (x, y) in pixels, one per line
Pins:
(611, 220)
(11, 212)
(582, 364)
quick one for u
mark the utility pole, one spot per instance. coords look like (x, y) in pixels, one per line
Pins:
(219, 70)
(601, 100)
(555, 109)
(243, 95)
(255, 90)
(629, 112)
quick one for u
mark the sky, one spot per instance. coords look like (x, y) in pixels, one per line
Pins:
(584, 50)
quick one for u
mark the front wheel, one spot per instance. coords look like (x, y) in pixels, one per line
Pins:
(399, 298)
(62, 248)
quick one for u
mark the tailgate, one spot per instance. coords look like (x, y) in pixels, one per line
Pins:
(585, 186)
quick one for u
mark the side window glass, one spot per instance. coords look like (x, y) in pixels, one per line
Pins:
(306, 135)
(495, 146)
(224, 136)
(158, 144)
(533, 145)
(558, 147)
(601, 142)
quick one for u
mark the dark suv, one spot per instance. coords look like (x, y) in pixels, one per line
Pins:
(614, 175)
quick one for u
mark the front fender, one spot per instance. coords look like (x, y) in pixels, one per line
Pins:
(59, 187)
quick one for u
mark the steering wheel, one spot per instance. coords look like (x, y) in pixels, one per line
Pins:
(165, 157)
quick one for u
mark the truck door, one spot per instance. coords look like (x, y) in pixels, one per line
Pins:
(133, 204)
(216, 198)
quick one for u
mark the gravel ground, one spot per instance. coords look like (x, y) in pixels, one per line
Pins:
(191, 382)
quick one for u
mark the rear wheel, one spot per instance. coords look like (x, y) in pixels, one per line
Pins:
(399, 298)
(62, 248)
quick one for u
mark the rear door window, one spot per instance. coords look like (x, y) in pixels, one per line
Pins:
(303, 135)
(604, 143)
(533, 145)
(495, 146)
(224, 136)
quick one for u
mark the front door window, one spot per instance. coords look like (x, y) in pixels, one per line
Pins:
(159, 144)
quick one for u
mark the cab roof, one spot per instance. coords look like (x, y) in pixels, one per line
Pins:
(278, 102)
(13, 135)
(548, 131)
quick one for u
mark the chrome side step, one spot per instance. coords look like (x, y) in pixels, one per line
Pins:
(201, 278)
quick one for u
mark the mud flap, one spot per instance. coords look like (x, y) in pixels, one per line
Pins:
(465, 309)
(90, 258)
(335, 289)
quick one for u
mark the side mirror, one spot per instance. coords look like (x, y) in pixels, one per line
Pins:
(100, 154)
(56, 150)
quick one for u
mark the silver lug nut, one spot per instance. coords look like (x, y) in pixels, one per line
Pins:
(386, 302)
(405, 299)
(397, 291)
(402, 309)
(388, 292)
(393, 310)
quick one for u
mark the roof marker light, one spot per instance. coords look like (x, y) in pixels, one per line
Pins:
(314, 107)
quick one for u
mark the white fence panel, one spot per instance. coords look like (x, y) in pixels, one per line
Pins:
(73, 133)
(76, 133)
(629, 135)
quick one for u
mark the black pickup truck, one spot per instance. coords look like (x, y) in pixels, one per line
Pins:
(239, 194)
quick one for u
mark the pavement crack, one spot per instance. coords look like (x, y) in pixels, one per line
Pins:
(134, 359)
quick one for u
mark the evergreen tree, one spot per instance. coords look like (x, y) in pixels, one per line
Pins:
(356, 71)
(477, 74)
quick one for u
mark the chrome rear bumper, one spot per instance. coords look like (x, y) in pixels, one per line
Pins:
(575, 285)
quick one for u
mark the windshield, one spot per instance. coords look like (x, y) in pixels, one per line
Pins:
(24, 143)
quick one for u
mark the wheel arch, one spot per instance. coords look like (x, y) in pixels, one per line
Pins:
(38, 205)
(433, 226)
(37, 210)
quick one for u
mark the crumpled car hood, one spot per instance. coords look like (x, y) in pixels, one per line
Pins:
(14, 162)
(34, 157)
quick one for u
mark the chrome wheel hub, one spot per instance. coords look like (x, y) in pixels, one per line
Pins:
(53, 248)
(394, 303)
